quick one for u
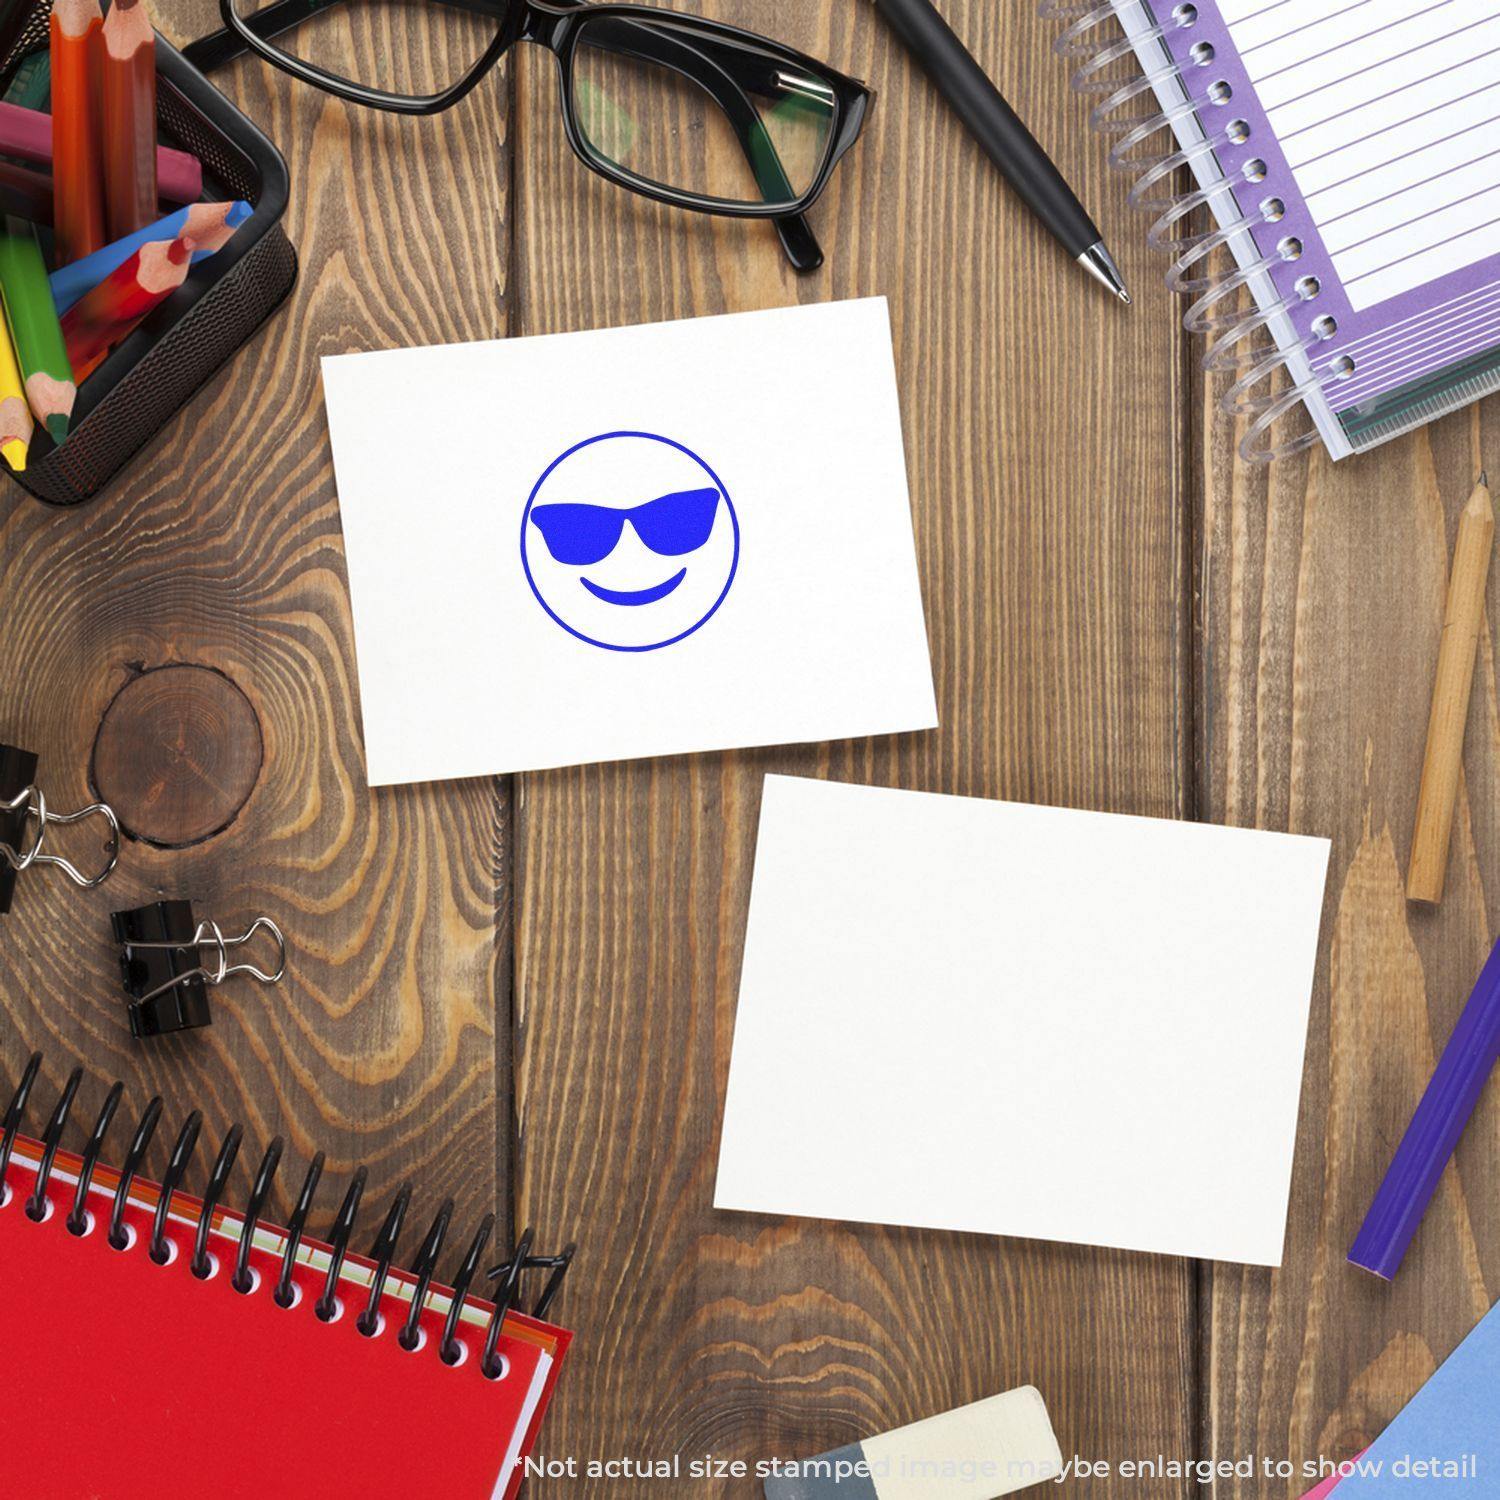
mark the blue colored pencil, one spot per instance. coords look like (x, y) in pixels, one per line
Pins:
(1433, 1135)
(209, 225)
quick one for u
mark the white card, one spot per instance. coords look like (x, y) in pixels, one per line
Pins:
(509, 615)
(985, 1016)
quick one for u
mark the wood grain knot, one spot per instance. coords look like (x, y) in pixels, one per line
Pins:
(178, 752)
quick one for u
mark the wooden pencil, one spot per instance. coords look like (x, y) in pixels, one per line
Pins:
(25, 193)
(26, 134)
(78, 180)
(16, 425)
(210, 226)
(35, 331)
(98, 321)
(1463, 619)
(129, 118)
(28, 194)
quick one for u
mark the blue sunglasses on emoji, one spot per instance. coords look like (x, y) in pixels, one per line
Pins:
(640, 591)
(671, 526)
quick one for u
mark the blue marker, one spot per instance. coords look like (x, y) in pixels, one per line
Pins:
(214, 226)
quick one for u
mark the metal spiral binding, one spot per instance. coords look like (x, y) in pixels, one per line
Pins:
(1215, 310)
(451, 1350)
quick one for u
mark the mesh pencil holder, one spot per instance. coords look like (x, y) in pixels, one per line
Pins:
(165, 362)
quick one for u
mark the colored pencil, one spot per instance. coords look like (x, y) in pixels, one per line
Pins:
(25, 193)
(208, 224)
(97, 322)
(34, 329)
(1433, 1135)
(1463, 619)
(129, 118)
(16, 425)
(26, 134)
(76, 169)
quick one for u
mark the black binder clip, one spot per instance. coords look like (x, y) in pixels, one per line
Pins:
(161, 958)
(25, 820)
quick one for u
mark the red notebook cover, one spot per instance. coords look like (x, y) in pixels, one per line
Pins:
(128, 1379)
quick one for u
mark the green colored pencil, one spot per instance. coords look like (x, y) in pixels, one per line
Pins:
(34, 328)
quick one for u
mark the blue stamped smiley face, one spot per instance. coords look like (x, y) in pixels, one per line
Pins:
(630, 541)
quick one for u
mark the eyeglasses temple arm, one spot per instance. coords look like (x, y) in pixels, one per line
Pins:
(797, 238)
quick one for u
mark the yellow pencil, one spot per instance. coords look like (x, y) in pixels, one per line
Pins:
(15, 414)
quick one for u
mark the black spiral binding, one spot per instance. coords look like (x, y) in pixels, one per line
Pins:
(201, 1264)
(160, 1248)
(36, 1208)
(327, 1307)
(78, 1218)
(285, 1294)
(383, 1252)
(242, 1280)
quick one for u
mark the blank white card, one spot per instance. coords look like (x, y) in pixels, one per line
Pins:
(983, 1016)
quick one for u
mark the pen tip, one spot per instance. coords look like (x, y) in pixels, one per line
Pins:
(1099, 263)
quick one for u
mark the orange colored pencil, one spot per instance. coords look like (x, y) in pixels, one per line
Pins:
(99, 320)
(129, 118)
(76, 170)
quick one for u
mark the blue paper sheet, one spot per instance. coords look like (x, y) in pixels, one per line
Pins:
(1447, 1439)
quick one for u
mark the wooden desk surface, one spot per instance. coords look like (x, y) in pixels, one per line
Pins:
(521, 992)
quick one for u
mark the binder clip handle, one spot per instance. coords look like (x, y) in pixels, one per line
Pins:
(31, 805)
(225, 971)
(210, 934)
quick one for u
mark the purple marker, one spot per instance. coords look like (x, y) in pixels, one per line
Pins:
(1432, 1137)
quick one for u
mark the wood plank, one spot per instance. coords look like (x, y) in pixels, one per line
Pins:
(1049, 496)
(221, 550)
(1323, 589)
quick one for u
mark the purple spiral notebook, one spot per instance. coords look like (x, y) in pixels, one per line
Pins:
(1348, 152)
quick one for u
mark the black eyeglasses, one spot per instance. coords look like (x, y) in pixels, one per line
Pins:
(679, 109)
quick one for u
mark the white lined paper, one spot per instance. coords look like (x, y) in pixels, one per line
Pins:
(1389, 113)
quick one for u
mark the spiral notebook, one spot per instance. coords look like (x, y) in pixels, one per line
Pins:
(1349, 152)
(133, 1378)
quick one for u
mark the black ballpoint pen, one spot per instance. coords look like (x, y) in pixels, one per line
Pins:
(998, 129)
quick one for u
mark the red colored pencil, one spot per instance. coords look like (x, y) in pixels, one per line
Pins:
(98, 321)
(129, 118)
(79, 181)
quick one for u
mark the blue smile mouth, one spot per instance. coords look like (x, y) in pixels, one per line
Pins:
(641, 596)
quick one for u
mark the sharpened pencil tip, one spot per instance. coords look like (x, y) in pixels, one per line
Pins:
(57, 427)
(15, 454)
(1484, 478)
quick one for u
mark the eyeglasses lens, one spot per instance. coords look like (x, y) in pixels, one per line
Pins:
(715, 117)
(407, 47)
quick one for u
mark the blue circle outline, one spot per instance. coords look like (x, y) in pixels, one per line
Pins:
(654, 437)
